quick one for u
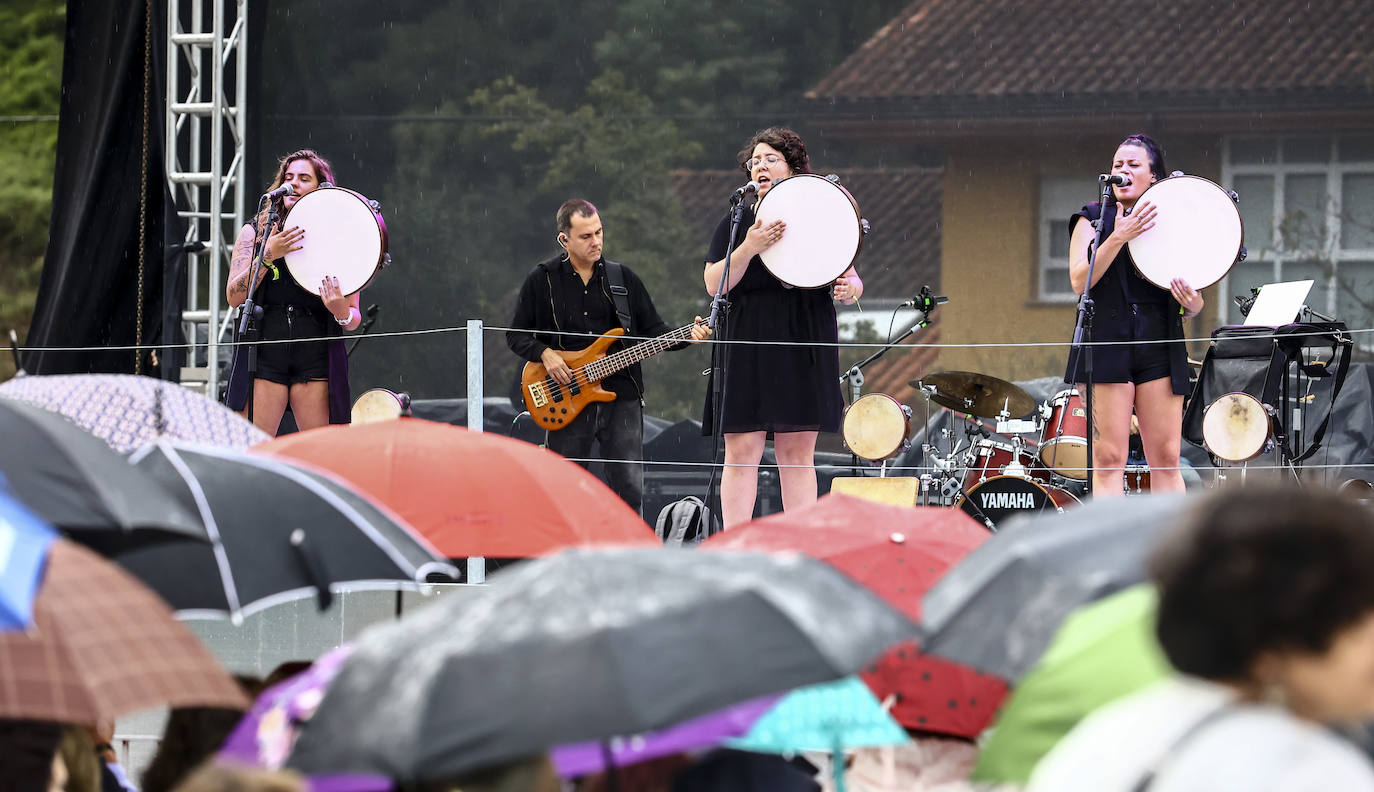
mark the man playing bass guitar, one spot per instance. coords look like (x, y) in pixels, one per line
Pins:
(581, 292)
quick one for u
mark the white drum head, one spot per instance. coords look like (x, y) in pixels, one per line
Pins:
(1235, 427)
(823, 234)
(342, 239)
(378, 404)
(1197, 233)
(875, 427)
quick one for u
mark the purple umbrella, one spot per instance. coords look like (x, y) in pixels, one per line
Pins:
(579, 759)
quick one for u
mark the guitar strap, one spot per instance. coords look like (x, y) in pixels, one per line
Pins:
(615, 279)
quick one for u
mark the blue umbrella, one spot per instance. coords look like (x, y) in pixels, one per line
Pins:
(827, 717)
(24, 543)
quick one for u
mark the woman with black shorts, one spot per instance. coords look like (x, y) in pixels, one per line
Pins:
(310, 376)
(1147, 379)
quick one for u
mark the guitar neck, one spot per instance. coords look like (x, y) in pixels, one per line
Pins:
(600, 369)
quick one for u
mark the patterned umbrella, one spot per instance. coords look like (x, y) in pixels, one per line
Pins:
(127, 411)
(103, 645)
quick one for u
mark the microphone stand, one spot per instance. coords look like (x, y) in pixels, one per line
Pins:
(371, 314)
(720, 313)
(1083, 327)
(250, 312)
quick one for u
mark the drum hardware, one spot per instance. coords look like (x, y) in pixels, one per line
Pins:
(1198, 234)
(977, 394)
(824, 230)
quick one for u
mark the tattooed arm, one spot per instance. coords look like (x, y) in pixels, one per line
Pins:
(240, 268)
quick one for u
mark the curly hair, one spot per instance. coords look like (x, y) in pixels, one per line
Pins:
(1257, 570)
(1153, 149)
(788, 143)
(324, 172)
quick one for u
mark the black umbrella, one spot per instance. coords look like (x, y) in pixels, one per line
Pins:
(77, 483)
(586, 645)
(999, 607)
(277, 532)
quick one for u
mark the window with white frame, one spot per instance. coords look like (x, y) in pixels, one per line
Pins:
(1308, 208)
(1060, 197)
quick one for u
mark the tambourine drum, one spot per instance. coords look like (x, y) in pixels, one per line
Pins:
(1236, 427)
(1002, 497)
(1197, 233)
(876, 427)
(1064, 438)
(824, 230)
(344, 237)
(380, 404)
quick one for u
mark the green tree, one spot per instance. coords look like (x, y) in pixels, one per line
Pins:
(30, 86)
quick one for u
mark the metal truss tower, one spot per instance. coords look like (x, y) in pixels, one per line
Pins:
(207, 66)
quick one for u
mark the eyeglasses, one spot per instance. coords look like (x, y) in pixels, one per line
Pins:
(769, 159)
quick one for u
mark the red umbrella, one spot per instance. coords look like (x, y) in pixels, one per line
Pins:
(470, 493)
(898, 552)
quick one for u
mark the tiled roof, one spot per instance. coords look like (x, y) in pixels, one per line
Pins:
(1051, 51)
(900, 255)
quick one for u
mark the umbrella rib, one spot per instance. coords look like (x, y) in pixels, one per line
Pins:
(387, 547)
(226, 576)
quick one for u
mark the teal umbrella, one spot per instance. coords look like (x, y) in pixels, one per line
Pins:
(1102, 652)
(828, 717)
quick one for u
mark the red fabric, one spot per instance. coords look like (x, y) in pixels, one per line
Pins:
(470, 493)
(899, 553)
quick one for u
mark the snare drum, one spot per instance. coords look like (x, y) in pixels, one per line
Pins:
(345, 237)
(380, 404)
(1001, 497)
(1236, 427)
(824, 230)
(876, 427)
(1064, 438)
(1137, 479)
(1197, 233)
(989, 459)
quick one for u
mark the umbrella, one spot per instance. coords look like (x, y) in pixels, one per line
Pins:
(898, 552)
(1102, 652)
(828, 717)
(77, 484)
(471, 493)
(103, 645)
(998, 608)
(277, 532)
(586, 645)
(127, 411)
(24, 543)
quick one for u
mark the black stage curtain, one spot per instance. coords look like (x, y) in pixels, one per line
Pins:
(88, 294)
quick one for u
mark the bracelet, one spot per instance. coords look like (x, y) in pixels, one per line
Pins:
(344, 322)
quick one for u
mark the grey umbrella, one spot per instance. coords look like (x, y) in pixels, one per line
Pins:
(586, 645)
(998, 608)
(276, 532)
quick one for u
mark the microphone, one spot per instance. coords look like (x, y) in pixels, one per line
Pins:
(751, 187)
(1115, 178)
(925, 299)
(285, 189)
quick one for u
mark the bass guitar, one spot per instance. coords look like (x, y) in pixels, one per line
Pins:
(554, 406)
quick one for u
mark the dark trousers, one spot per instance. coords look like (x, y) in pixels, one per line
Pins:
(618, 428)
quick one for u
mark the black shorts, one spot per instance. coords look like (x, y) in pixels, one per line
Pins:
(1129, 362)
(290, 363)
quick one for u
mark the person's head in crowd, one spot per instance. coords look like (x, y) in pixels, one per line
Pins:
(77, 750)
(192, 735)
(1268, 590)
(29, 759)
(527, 774)
(220, 777)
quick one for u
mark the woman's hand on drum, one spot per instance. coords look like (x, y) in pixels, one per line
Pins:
(334, 299)
(1130, 226)
(848, 290)
(761, 237)
(288, 240)
(1187, 296)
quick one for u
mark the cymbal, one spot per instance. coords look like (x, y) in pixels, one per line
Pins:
(977, 394)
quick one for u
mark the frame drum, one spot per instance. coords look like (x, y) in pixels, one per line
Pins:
(1197, 233)
(824, 231)
(876, 426)
(380, 404)
(344, 237)
(1235, 427)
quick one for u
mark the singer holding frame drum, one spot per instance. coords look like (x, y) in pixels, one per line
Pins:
(790, 390)
(1147, 379)
(310, 377)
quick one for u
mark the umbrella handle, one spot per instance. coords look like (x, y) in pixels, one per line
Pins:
(314, 568)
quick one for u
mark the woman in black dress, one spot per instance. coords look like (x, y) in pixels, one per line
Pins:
(1149, 379)
(791, 390)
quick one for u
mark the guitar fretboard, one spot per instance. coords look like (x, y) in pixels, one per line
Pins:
(600, 369)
